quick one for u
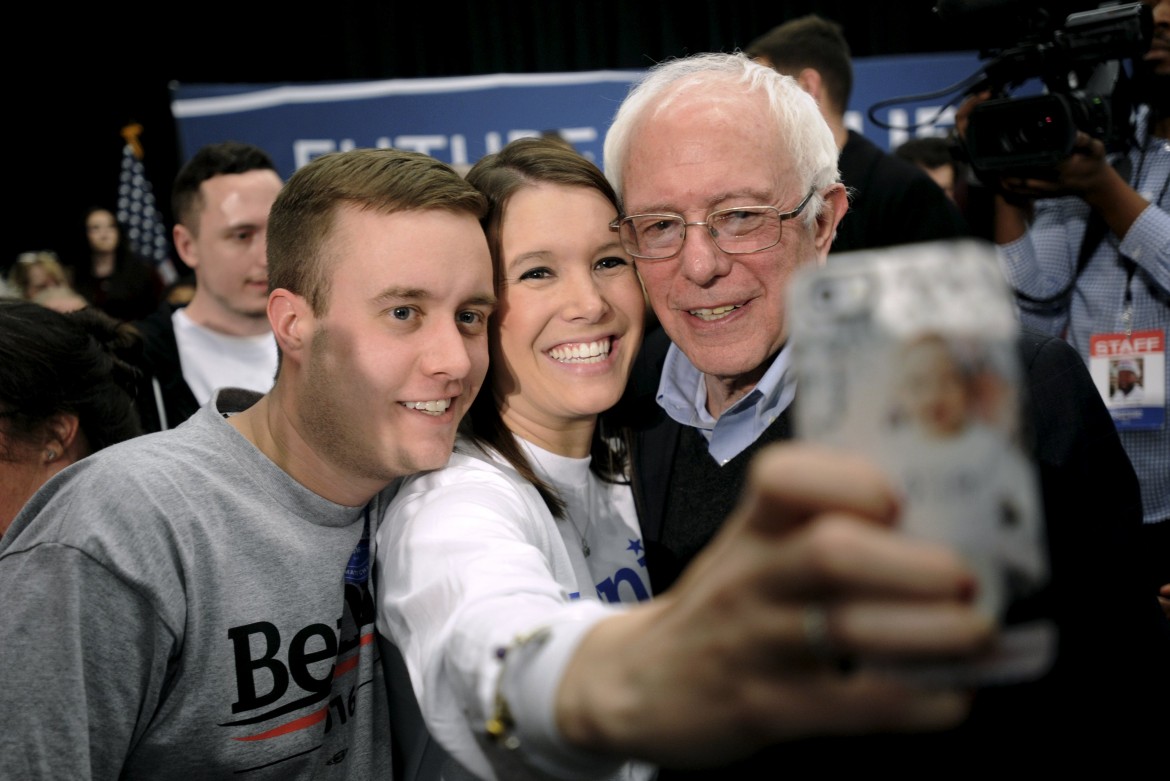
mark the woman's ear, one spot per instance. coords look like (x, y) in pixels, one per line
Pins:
(63, 438)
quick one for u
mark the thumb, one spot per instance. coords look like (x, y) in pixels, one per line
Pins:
(1085, 144)
(788, 484)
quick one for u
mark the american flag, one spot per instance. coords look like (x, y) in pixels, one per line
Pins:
(136, 210)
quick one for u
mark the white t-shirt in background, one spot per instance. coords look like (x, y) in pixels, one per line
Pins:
(212, 360)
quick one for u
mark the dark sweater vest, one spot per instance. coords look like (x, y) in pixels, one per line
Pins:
(702, 493)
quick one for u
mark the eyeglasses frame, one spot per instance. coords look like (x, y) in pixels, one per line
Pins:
(783, 217)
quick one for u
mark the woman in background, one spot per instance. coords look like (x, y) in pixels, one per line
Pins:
(66, 390)
(114, 279)
(531, 527)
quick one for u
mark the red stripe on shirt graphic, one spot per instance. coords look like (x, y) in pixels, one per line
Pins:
(303, 722)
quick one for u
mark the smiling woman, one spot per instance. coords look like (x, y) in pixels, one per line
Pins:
(532, 523)
(570, 318)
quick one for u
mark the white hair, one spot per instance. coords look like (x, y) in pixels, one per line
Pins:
(798, 120)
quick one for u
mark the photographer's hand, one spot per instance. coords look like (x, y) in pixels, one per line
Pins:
(1086, 174)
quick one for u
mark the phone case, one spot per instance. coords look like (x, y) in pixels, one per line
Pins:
(909, 356)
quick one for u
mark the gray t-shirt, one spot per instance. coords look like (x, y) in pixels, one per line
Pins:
(179, 606)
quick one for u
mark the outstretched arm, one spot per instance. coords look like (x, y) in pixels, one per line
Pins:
(745, 650)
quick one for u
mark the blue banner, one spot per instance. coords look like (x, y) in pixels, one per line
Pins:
(458, 120)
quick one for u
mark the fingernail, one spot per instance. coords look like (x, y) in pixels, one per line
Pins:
(968, 588)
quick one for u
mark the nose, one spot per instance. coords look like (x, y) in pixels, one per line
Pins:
(700, 261)
(446, 353)
(584, 301)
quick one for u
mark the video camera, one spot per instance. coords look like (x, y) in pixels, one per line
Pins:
(1080, 63)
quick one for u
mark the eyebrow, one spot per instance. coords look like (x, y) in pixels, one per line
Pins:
(239, 226)
(421, 294)
(757, 197)
(546, 255)
(486, 301)
(540, 254)
(403, 294)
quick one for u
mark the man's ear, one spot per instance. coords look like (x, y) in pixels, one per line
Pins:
(810, 81)
(63, 437)
(291, 319)
(836, 204)
(185, 245)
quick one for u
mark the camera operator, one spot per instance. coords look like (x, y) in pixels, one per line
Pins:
(1088, 251)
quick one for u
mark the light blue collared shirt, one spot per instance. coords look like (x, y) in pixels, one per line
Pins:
(682, 393)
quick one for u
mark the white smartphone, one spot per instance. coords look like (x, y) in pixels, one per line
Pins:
(909, 356)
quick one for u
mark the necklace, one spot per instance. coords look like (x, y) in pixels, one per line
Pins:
(585, 549)
(591, 513)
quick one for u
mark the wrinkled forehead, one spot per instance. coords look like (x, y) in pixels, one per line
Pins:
(722, 141)
(707, 89)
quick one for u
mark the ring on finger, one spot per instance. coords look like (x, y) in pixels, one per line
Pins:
(815, 623)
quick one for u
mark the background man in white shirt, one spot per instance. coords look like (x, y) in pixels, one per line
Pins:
(221, 201)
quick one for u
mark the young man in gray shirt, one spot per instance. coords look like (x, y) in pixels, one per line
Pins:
(196, 603)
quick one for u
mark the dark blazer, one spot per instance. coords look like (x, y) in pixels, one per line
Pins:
(1110, 679)
(656, 435)
(891, 201)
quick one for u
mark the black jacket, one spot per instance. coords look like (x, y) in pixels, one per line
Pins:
(165, 401)
(891, 201)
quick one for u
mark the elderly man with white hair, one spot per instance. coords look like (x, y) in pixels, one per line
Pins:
(709, 140)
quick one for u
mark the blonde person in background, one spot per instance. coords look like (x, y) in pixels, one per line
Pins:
(35, 272)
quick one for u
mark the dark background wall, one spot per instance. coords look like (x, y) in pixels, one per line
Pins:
(79, 76)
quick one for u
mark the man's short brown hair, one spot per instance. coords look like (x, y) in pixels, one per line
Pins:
(223, 159)
(809, 42)
(381, 180)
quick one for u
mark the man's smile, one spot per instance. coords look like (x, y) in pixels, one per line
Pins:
(716, 313)
(436, 407)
